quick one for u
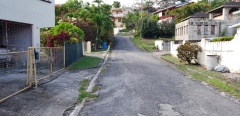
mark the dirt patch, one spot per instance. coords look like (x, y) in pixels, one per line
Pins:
(232, 77)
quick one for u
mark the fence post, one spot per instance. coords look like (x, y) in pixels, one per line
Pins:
(30, 66)
(51, 59)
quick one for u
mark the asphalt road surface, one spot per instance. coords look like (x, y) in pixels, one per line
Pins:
(137, 84)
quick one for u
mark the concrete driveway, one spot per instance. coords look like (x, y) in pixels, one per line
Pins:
(49, 99)
(137, 84)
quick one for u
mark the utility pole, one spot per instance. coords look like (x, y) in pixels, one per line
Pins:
(141, 23)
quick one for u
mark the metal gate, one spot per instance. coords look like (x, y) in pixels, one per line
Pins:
(20, 70)
(166, 45)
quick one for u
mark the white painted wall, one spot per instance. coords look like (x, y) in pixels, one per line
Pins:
(117, 29)
(228, 52)
(38, 13)
(158, 44)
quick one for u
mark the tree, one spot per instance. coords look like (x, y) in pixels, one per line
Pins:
(167, 29)
(98, 2)
(150, 28)
(154, 16)
(188, 52)
(166, 3)
(217, 3)
(188, 10)
(130, 19)
(116, 4)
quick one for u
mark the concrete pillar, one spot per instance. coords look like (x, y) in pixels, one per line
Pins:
(226, 13)
(88, 47)
(238, 30)
(211, 16)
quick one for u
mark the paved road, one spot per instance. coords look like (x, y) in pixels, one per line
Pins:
(137, 84)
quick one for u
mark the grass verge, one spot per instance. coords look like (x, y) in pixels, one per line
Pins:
(200, 73)
(83, 94)
(144, 44)
(85, 62)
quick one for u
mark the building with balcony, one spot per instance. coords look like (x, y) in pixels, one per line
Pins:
(162, 12)
(118, 14)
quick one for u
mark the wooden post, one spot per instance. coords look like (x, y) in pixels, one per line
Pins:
(28, 59)
(31, 67)
(34, 69)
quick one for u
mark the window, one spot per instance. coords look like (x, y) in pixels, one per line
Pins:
(205, 29)
(187, 29)
(199, 29)
(119, 20)
(212, 29)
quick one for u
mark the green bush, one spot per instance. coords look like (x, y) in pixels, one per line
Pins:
(44, 36)
(223, 33)
(167, 29)
(224, 38)
(72, 30)
(188, 52)
(150, 28)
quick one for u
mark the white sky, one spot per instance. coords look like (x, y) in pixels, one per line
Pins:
(123, 2)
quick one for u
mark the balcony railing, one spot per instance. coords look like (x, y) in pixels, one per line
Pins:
(118, 15)
(163, 17)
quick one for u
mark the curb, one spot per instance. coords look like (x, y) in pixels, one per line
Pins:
(180, 65)
(78, 108)
(92, 83)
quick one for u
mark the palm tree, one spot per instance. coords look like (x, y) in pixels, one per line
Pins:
(98, 2)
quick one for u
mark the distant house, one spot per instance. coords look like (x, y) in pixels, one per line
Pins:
(162, 12)
(21, 20)
(118, 14)
(214, 23)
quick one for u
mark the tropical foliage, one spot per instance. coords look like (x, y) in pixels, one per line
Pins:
(116, 4)
(224, 38)
(188, 10)
(82, 22)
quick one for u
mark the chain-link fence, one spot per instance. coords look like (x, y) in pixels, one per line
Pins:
(73, 52)
(19, 70)
(13, 72)
(48, 60)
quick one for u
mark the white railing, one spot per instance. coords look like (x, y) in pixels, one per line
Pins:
(118, 15)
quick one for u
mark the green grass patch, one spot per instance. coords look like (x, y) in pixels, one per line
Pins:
(85, 62)
(224, 38)
(95, 88)
(83, 94)
(144, 43)
(125, 30)
(216, 81)
(103, 70)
